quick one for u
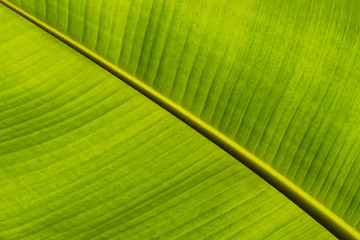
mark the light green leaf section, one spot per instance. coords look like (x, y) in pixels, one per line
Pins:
(84, 156)
(279, 77)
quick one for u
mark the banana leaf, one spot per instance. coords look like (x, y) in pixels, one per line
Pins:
(85, 156)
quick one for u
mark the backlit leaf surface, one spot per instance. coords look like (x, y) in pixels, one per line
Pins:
(84, 156)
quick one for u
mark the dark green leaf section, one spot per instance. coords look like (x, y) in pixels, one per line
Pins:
(279, 77)
(83, 155)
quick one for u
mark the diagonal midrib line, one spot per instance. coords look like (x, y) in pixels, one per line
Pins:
(310, 205)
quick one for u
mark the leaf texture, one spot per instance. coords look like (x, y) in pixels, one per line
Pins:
(279, 77)
(83, 155)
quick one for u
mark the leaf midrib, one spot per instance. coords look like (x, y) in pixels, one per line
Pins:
(310, 205)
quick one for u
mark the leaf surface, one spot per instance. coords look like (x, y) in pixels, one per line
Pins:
(280, 78)
(83, 155)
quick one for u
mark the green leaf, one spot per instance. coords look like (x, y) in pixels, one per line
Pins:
(83, 155)
(279, 78)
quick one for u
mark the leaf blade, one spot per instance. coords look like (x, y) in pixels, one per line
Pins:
(291, 95)
(101, 170)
